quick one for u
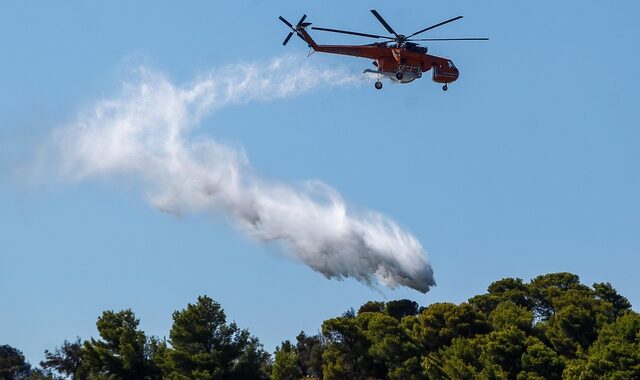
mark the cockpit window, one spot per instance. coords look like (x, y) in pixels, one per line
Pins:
(451, 65)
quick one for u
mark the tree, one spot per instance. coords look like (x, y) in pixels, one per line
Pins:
(302, 360)
(606, 292)
(39, 374)
(579, 314)
(507, 289)
(540, 361)
(571, 327)
(429, 329)
(122, 353)
(65, 360)
(546, 289)
(394, 352)
(437, 325)
(372, 307)
(504, 348)
(401, 308)
(614, 355)
(550, 328)
(13, 364)
(508, 314)
(285, 364)
(309, 350)
(346, 353)
(204, 346)
(460, 360)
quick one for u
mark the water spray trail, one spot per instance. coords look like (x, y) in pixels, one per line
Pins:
(143, 133)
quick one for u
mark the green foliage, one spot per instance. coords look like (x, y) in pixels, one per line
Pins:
(460, 360)
(508, 289)
(309, 351)
(605, 292)
(372, 307)
(65, 360)
(205, 346)
(504, 348)
(508, 314)
(550, 327)
(401, 308)
(547, 289)
(346, 354)
(437, 325)
(570, 328)
(614, 355)
(540, 361)
(390, 347)
(13, 364)
(122, 353)
(39, 374)
(553, 327)
(285, 365)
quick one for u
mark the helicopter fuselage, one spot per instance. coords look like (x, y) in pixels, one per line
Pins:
(402, 64)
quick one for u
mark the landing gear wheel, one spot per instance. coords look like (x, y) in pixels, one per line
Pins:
(445, 87)
(378, 85)
(399, 75)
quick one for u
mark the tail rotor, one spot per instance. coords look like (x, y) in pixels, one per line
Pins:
(294, 29)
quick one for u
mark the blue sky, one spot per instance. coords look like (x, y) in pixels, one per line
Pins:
(527, 165)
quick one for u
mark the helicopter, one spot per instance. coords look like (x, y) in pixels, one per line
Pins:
(399, 58)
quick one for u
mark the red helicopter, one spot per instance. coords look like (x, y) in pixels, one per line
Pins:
(399, 58)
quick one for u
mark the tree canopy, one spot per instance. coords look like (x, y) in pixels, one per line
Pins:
(553, 327)
(12, 363)
(204, 346)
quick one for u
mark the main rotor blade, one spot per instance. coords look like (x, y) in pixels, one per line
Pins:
(301, 20)
(384, 23)
(285, 21)
(435, 26)
(452, 39)
(288, 38)
(348, 32)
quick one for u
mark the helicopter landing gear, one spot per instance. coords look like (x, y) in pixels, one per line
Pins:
(399, 75)
(378, 85)
(445, 87)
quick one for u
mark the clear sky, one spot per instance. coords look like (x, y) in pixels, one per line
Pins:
(529, 164)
